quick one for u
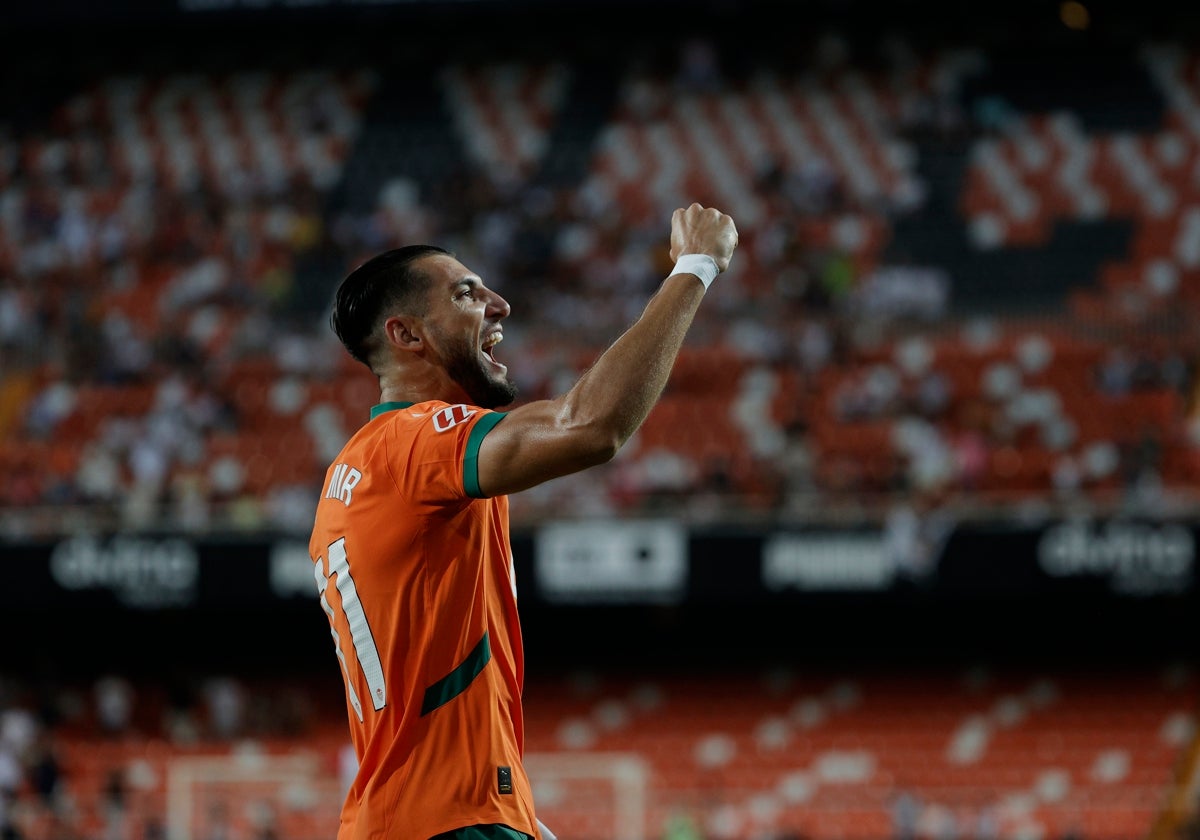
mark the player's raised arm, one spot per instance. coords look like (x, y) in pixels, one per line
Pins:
(589, 423)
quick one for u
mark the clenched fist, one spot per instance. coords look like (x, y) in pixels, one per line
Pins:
(703, 230)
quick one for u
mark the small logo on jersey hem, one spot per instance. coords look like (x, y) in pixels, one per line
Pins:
(504, 780)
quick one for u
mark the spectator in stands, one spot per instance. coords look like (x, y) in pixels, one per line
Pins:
(114, 697)
(699, 67)
(44, 768)
(414, 521)
(1115, 372)
(19, 332)
(225, 706)
(12, 778)
(19, 730)
(905, 809)
(681, 825)
(1141, 472)
(115, 805)
(219, 823)
(1072, 832)
(154, 828)
(181, 715)
(987, 822)
(46, 410)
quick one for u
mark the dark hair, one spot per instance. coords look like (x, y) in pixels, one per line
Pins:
(383, 285)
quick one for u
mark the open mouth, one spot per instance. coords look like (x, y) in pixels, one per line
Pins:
(489, 343)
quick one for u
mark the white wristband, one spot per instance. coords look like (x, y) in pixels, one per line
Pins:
(701, 265)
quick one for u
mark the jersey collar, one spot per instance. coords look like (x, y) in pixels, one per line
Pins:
(385, 407)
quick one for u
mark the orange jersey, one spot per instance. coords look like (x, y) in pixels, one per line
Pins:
(415, 573)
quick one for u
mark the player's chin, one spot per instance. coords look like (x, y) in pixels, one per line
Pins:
(499, 393)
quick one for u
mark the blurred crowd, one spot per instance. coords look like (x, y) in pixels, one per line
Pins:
(130, 259)
(104, 759)
(84, 760)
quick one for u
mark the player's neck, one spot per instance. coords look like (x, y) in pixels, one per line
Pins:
(415, 388)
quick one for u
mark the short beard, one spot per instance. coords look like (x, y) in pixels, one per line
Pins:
(482, 386)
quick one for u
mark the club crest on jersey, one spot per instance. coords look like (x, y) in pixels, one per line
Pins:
(447, 418)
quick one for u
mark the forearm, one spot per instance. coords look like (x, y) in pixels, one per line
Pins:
(617, 393)
(588, 424)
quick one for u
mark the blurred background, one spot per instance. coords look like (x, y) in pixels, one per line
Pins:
(906, 550)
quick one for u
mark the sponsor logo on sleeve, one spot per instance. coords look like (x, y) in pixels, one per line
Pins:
(447, 418)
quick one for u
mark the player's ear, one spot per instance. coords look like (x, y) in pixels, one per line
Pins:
(403, 332)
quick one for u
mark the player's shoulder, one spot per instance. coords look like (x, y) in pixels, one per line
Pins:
(432, 415)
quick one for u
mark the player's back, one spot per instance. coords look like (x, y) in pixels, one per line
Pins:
(414, 571)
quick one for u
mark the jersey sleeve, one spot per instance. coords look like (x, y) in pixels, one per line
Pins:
(434, 455)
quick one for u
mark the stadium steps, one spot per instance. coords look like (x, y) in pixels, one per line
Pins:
(406, 132)
(585, 110)
(1109, 90)
(1012, 280)
(1114, 103)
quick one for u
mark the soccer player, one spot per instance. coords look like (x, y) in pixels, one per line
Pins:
(411, 538)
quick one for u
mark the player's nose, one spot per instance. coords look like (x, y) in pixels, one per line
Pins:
(497, 306)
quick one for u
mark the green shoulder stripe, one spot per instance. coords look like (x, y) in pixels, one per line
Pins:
(471, 462)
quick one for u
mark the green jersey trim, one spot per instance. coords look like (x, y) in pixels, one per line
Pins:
(456, 682)
(471, 462)
(383, 408)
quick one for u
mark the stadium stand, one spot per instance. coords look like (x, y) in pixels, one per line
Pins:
(159, 229)
(981, 752)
